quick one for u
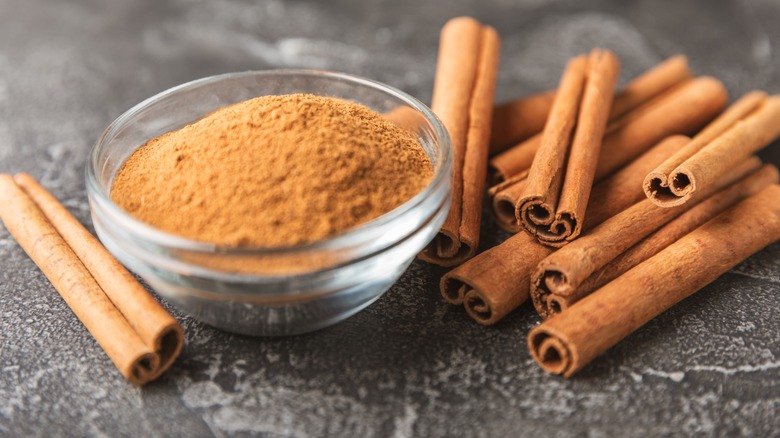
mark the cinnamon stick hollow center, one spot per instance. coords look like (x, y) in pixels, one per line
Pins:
(747, 126)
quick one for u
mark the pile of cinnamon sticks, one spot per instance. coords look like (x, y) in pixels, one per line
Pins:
(623, 202)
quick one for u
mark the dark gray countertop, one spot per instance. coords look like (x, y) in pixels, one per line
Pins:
(409, 364)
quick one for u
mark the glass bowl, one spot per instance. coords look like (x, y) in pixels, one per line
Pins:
(262, 291)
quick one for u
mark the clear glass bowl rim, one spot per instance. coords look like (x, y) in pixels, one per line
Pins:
(158, 237)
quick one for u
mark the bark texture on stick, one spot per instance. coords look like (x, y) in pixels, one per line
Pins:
(134, 352)
(559, 181)
(557, 281)
(748, 125)
(494, 283)
(644, 88)
(564, 344)
(682, 110)
(463, 99)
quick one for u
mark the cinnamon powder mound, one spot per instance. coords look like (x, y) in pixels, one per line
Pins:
(273, 171)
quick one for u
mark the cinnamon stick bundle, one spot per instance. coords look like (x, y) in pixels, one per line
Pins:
(463, 99)
(553, 205)
(747, 126)
(530, 114)
(677, 228)
(556, 283)
(567, 342)
(494, 283)
(680, 111)
(136, 333)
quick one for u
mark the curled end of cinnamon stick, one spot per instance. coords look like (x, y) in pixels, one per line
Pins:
(556, 304)
(168, 346)
(538, 219)
(446, 249)
(479, 309)
(669, 191)
(453, 289)
(551, 352)
(149, 366)
(547, 285)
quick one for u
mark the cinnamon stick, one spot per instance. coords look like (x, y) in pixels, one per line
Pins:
(463, 99)
(621, 189)
(644, 88)
(567, 342)
(517, 120)
(556, 282)
(747, 126)
(494, 283)
(680, 111)
(553, 205)
(671, 232)
(138, 335)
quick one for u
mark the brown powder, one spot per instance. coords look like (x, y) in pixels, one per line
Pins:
(273, 171)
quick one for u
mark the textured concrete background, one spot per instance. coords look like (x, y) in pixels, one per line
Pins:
(409, 364)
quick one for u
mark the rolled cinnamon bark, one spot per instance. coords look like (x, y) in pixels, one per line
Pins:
(24, 220)
(559, 182)
(618, 189)
(747, 126)
(621, 189)
(517, 120)
(655, 81)
(567, 342)
(153, 324)
(494, 283)
(680, 111)
(644, 88)
(556, 282)
(463, 99)
(677, 228)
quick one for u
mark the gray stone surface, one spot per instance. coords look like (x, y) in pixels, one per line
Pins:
(409, 364)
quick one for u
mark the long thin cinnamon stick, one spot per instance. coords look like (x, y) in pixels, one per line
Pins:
(463, 99)
(153, 324)
(136, 360)
(644, 88)
(558, 187)
(747, 126)
(567, 342)
(561, 274)
(680, 111)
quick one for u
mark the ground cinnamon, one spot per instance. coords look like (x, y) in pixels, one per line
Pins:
(273, 171)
